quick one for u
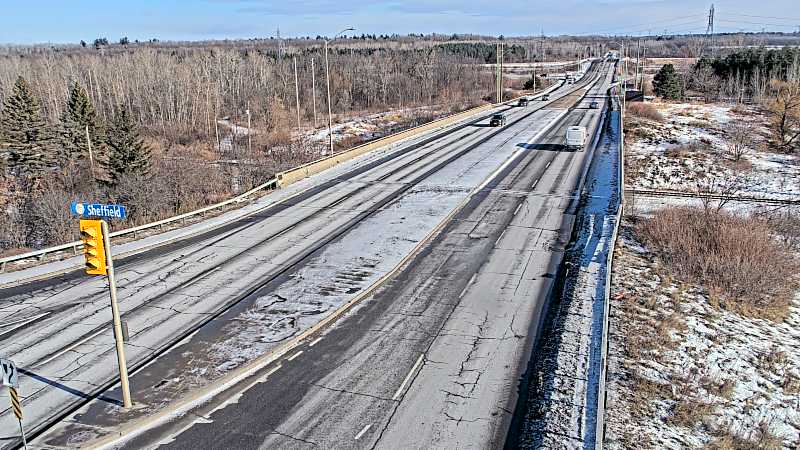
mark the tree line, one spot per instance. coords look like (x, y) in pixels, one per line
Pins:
(770, 78)
(148, 127)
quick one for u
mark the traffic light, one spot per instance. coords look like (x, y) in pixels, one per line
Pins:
(92, 237)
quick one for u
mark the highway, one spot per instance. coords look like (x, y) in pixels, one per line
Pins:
(207, 289)
(433, 358)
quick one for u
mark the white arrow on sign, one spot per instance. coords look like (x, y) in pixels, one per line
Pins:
(9, 373)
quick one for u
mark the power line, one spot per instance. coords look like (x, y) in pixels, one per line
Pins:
(764, 17)
(758, 23)
(642, 27)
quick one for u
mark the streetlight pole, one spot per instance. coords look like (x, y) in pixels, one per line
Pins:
(328, 82)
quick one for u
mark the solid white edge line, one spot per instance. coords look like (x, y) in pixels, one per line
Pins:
(315, 341)
(501, 236)
(21, 323)
(408, 377)
(70, 348)
(295, 355)
(363, 430)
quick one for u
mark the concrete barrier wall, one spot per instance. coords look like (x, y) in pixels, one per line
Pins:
(291, 176)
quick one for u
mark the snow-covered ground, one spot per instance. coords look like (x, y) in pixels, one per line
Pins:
(687, 152)
(373, 126)
(685, 374)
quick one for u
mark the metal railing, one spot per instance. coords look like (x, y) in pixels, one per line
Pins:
(77, 245)
(601, 394)
(273, 183)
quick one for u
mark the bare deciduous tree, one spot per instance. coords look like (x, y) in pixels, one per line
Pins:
(739, 139)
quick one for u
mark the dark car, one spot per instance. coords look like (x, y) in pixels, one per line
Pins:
(523, 102)
(545, 97)
(497, 120)
(594, 105)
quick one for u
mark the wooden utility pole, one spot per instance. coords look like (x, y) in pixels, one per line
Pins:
(636, 75)
(314, 92)
(297, 95)
(497, 80)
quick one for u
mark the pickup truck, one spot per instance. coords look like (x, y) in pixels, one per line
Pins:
(576, 138)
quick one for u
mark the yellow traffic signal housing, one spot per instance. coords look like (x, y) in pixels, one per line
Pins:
(92, 237)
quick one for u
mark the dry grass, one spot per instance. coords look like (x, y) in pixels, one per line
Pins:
(645, 111)
(688, 149)
(735, 256)
(689, 412)
(760, 438)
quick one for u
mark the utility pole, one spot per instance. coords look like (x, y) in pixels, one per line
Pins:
(328, 82)
(636, 75)
(710, 30)
(297, 95)
(314, 92)
(249, 132)
(497, 72)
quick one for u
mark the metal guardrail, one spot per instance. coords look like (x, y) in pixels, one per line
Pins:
(272, 183)
(76, 245)
(601, 394)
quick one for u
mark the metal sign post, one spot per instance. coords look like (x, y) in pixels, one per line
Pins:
(10, 378)
(118, 336)
(17, 407)
(97, 247)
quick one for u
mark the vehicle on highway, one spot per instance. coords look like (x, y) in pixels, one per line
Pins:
(497, 120)
(545, 97)
(523, 102)
(576, 137)
(594, 105)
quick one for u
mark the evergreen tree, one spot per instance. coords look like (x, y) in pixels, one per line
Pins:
(666, 83)
(25, 133)
(77, 116)
(128, 154)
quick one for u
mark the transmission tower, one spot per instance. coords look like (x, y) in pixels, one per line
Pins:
(710, 30)
(281, 44)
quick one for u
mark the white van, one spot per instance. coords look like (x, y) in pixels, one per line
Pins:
(576, 138)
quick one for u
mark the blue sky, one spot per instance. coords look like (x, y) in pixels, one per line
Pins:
(70, 21)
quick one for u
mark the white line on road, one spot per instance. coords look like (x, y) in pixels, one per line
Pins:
(517, 210)
(69, 348)
(501, 236)
(271, 371)
(408, 377)
(314, 342)
(20, 323)
(363, 430)
(295, 355)
(471, 280)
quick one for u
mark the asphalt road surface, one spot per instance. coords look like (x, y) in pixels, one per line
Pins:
(434, 358)
(61, 338)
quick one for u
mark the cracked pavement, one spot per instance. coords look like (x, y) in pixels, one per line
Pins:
(433, 358)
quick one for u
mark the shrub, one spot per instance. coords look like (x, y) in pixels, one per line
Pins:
(645, 111)
(735, 256)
